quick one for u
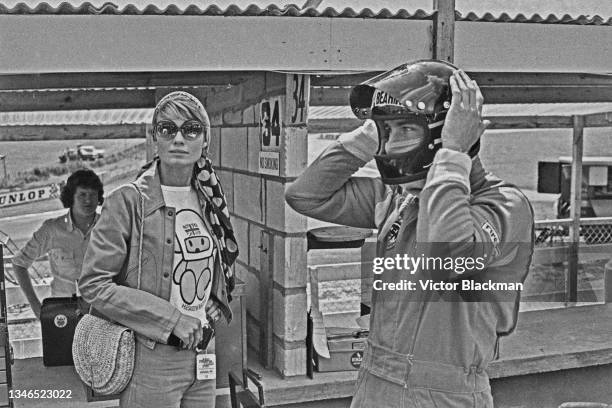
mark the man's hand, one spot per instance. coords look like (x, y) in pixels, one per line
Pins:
(463, 125)
(189, 330)
(369, 129)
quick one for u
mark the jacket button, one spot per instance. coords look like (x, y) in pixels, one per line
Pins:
(166, 274)
(168, 241)
(170, 213)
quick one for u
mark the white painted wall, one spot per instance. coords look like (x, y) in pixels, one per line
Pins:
(75, 43)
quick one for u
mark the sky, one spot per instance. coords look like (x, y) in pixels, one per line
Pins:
(574, 8)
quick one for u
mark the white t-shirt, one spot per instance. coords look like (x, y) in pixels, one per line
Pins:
(194, 253)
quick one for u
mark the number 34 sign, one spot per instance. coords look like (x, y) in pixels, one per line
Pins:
(270, 124)
(272, 112)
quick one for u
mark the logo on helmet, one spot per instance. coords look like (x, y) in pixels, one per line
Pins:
(382, 98)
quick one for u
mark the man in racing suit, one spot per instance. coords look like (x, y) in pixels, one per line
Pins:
(426, 348)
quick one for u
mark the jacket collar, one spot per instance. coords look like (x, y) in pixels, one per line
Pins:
(150, 187)
(149, 184)
(477, 174)
(68, 220)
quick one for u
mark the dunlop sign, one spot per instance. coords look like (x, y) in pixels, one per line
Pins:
(10, 198)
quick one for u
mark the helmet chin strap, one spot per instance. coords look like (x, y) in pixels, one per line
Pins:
(414, 187)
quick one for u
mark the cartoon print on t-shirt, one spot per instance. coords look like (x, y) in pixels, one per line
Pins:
(193, 271)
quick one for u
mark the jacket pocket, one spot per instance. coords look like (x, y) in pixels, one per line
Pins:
(425, 398)
(376, 392)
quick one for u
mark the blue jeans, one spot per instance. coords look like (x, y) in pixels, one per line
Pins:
(165, 377)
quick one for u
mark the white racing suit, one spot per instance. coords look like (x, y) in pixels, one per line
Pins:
(427, 348)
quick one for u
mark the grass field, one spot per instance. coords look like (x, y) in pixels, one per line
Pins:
(22, 156)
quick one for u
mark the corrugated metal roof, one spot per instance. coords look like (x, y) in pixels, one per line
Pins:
(355, 9)
(589, 8)
(77, 117)
(233, 10)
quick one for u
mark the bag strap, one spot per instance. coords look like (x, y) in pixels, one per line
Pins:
(141, 231)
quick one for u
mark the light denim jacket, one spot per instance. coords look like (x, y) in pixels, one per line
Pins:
(109, 278)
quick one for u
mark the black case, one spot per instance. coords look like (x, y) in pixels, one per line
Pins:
(58, 319)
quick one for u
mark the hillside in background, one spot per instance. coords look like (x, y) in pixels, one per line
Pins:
(36, 162)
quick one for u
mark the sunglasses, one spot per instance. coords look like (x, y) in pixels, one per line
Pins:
(167, 130)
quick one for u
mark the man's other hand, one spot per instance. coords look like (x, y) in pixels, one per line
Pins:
(463, 125)
(361, 142)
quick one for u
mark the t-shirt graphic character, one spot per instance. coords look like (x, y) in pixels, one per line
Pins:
(193, 244)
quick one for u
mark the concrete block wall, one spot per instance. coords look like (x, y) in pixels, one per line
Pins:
(271, 236)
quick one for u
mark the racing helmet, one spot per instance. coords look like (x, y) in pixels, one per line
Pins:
(414, 94)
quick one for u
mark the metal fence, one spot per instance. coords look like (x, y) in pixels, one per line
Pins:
(556, 232)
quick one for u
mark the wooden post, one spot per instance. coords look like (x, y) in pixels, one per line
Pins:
(266, 282)
(150, 148)
(3, 160)
(6, 356)
(571, 278)
(608, 282)
(368, 253)
(444, 30)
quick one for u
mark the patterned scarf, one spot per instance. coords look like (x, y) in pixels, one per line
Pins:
(215, 210)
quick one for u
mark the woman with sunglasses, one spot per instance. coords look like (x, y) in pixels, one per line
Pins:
(159, 262)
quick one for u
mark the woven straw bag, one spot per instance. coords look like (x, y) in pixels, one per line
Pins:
(103, 354)
(104, 351)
